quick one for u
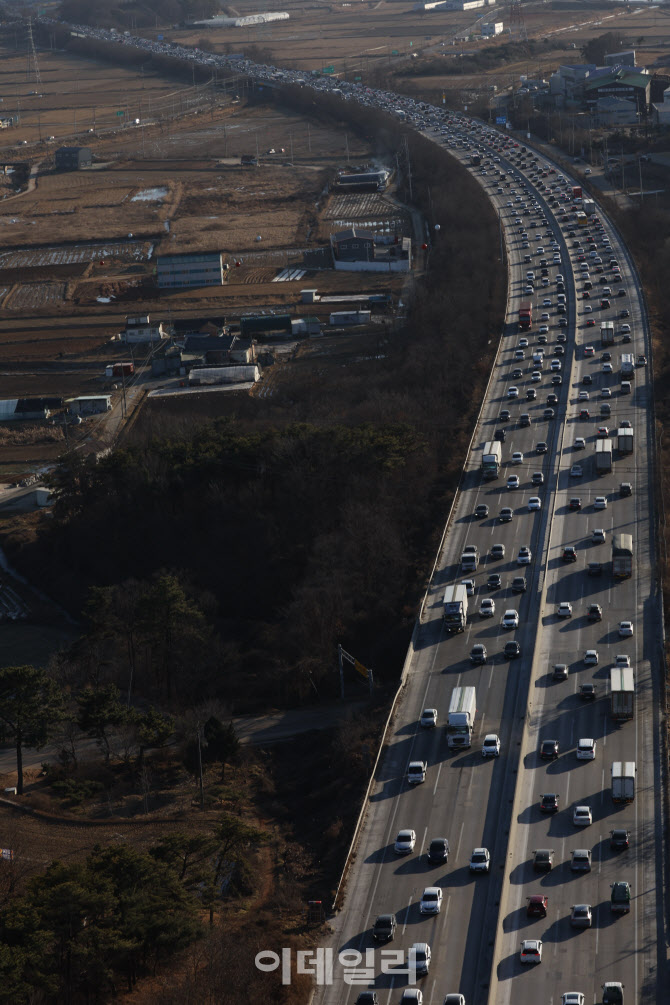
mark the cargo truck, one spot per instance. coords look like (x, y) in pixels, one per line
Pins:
(470, 558)
(603, 457)
(475, 160)
(625, 440)
(627, 366)
(525, 315)
(491, 459)
(461, 717)
(623, 781)
(607, 333)
(589, 206)
(577, 193)
(622, 693)
(455, 608)
(622, 556)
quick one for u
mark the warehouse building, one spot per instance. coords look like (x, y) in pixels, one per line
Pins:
(188, 270)
(73, 158)
(35, 409)
(619, 82)
(89, 404)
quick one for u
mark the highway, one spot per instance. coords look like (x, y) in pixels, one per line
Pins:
(495, 802)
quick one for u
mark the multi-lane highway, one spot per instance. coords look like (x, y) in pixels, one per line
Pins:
(495, 803)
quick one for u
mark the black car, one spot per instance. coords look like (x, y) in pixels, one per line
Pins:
(549, 750)
(549, 802)
(481, 511)
(504, 415)
(494, 582)
(595, 569)
(384, 927)
(625, 313)
(543, 859)
(619, 839)
(478, 654)
(625, 489)
(569, 553)
(367, 998)
(575, 503)
(541, 447)
(587, 691)
(587, 379)
(438, 851)
(519, 584)
(607, 357)
(500, 434)
(512, 650)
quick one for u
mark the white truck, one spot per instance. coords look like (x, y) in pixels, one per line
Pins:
(622, 693)
(623, 781)
(627, 366)
(455, 608)
(603, 456)
(470, 558)
(461, 717)
(625, 439)
(491, 459)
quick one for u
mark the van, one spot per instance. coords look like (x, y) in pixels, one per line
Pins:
(519, 354)
(625, 387)
(538, 360)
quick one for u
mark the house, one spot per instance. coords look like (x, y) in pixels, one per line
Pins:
(180, 328)
(73, 158)
(353, 245)
(187, 270)
(221, 349)
(142, 329)
(358, 251)
(89, 404)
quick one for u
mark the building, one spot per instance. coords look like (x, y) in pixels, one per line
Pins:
(619, 82)
(626, 58)
(254, 324)
(222, 350)
(73, 158)
(492, 28)
(196, 269)
(358, 251)
(142, 329)
(224, 375)
(353, 245)
(364, 181)
(89, 404)
(35, 409)
(662, 109)
(221, 21)
(614, 112)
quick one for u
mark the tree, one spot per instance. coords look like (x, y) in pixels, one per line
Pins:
(221, 743)
(154, 729)
(100, 708)
(172, 625)
(30, 706)
(595, 50)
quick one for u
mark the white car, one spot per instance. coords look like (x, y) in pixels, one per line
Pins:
(607, 368)
(404, 842)
(491, 745)
(431, 900)
(625, 629)
(531, 951)
(583, 396)
(544, 316)
(588, 309)
(546, 302)
(525, 556)
(572, 998)
(591, 658)
(555, 365)
(586, 749)
(582, 816)
(480, 860)
(523, 343)
(517, 457)
(600, 502)
(429, 718)
(487, 608)
(469, 585)
(605, 392)
(620, 660)
(534, 503)
(599, 536)
(544, 330)
(564, 610)
(512, 392)
(576, 471)
(412, 996)
(513, 482)
(535, 376)
(510, 619)
(579, 444)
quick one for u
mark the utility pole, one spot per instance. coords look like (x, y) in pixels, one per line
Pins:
(309, 138)
(346, 136)
(639, 164)
(290, 136)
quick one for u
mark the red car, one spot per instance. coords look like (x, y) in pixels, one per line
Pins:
(603, 432)
(536, 906)
(590, 323)
(584, 414)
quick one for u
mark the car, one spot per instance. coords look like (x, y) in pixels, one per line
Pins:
(588, 351)
(367, 998)
(469, 585)
(525, 555)
(416, 772)
(549, 802)
(500, 434)
(581, 860)
(603, 433)
(404, 842)
(607, 356)
(543, 860)
(412, 996)
(625, 424)
(579, 444)
(587, 692)
(621, 660)
(519, 584)
(612, 993)
(517, 457)
(419, 957)
(536, 906)
(582, 816)
(641, 360)
(625, 629)
(594, 612)
(544, 316)
(494, 581)
(523, 342)
(619, 839)
(584, 413)
(517, 373)
(487, 608)
(586, 749)
(510, 619)
(564, 610)
(384, 928)
(556, 380)
(454, 999)
(624, 329)
(546, 302)
(534, 503)
(591, 658)
(478, 654)
(531, 951)
(580, 916)
(524, 418)
(512, 650)
(480, 860)
(541, 447)
(481, 511)
(576, 471)
(559, 348)
(605, 392)
(491, 745)
(563, 322)
(513, 482)
(569, 553)
(625, 313)
(428, 718)
(572, 998)
(536, 376)
(583, 396)
(549, 750)
(599, 535)
(548, 413)
(590, 323)
(438, 851)
(431, 900)
(543, 329)
(620, 897)
(537, 478)
(505, 514)
(588, 309)
(625, 489)
(560, 671)
(504, 415)
(600, 502)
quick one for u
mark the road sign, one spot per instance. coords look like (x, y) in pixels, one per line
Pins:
(358, 78)
(159, 37)
(394, 52)
(328, 69)
(501, 120)
(120, 114)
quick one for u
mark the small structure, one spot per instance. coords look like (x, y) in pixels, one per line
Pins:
(223, 375)
(306, 326)
(35, 409)
(626, 58)
(309, 296)
(142, 329)
(492, 28)
(353, 245)
(89, 404)
(253, 324)
(220, 349)
(188, 270)
(364, 181)
(357, 251)
(340, 318)
(73, 158)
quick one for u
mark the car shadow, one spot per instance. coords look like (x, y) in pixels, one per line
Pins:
(516, 920)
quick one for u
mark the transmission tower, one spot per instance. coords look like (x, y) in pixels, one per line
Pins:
(33, 53)
(517, 24)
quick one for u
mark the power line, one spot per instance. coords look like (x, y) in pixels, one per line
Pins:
(38, 78)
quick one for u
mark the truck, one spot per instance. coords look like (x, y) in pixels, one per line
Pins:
(470, 558)
(623, 781)
(455, 610)
(607, 333)
(589, 206)
(627, 366)
(416, 772)
(475, 160)
(576, 193)
(603, 457)
(622, 693)
(491, 459)
(461, 717)
(625, 439)
(622, 556)
(525, 315)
